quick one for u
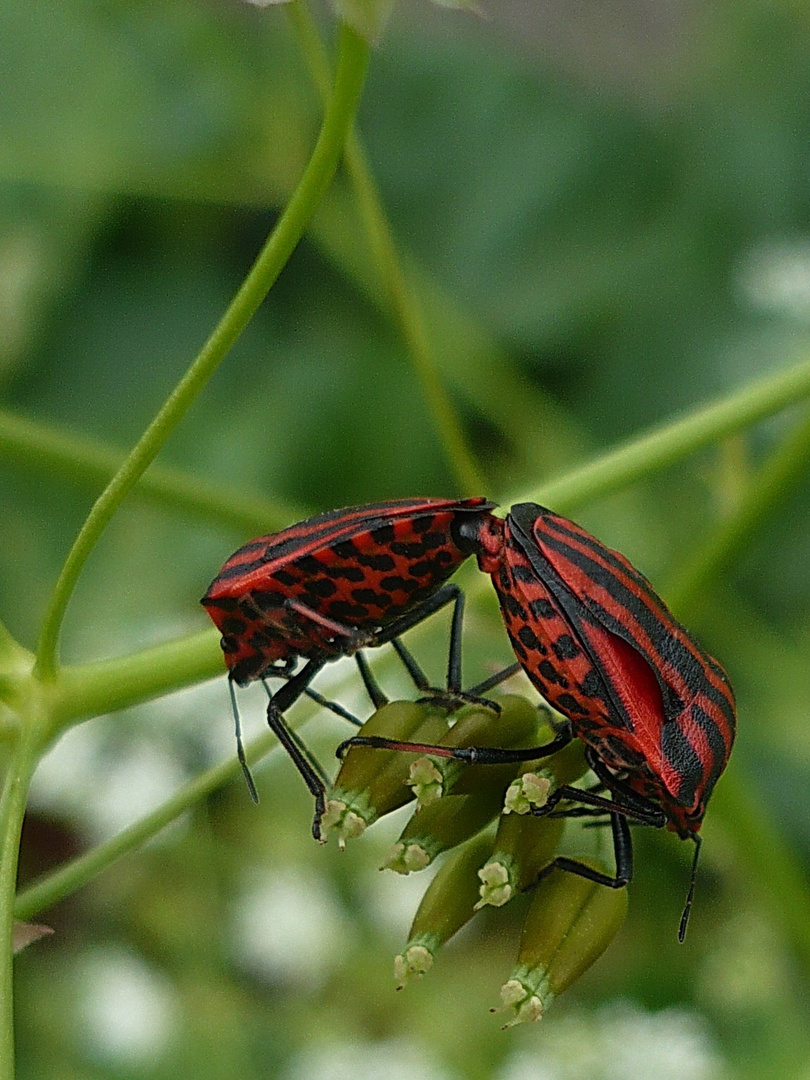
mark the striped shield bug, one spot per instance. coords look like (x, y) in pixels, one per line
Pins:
(331, 585)
(655, 712)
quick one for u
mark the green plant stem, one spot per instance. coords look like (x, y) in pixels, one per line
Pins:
(772, 482)
(16, 779)
(337, 123)
(674, 440)
(93, 463)
(403, 299)
(60, 883)
(86, 690)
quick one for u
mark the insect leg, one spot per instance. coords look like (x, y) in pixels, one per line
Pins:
(623, 853)
(420, 679)
(373, 688)
(310, 772)
(473, 755)
(494, 680)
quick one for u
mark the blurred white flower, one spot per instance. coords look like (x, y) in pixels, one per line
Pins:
(127, 1007)
(775, 276)
(397, 1059)
(620, 1041)
(287, 926)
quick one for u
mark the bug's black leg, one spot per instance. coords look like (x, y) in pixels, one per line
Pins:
(453, 696)
(333, 706)
(494, 680)
(420, 680)
(454, 654)
(638, 809)
(436, 602)
(310, 771)
(631, 803)
(623, 853)
(472, 755)
(319, 699)
(373, 688)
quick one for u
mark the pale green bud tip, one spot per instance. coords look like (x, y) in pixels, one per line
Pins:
(412, 964)
(523, 1001)
(404, 858)
(341, 820)
(496, 888)
(526, 791)
(367, 17)
(426, 781)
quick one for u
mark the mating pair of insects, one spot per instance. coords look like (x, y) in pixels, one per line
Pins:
(655, 712)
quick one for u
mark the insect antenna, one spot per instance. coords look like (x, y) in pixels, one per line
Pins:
(687, 907)
(240, 748)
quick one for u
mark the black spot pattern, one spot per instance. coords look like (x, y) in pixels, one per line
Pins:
(542, 609)
(384, 535)
(565, 648)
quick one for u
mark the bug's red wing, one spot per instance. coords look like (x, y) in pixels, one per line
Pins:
(325, 586)
(254, 562)
(686, 739)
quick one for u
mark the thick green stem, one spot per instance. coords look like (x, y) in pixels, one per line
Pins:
(92, 463)
(85, 690)
(773, 482)
(17, 777)
(337, 123)
(674, 440)
(402, 298)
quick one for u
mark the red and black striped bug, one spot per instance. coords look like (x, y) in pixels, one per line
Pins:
(333, 584)
(656, 712)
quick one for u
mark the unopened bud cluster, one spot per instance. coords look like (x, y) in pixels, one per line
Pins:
(488, 818)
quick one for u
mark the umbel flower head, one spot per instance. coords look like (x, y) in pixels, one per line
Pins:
(485, 823)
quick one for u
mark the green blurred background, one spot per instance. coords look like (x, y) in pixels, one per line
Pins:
(607, 210)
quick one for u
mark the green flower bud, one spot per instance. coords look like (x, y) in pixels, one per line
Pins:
(447, 905)
(523, 846)
(569, 925)
(426, 781)
(516, 726)
(526, 791)
(439, 827)
(372, 782)
(536, 780)
(396, 720)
